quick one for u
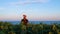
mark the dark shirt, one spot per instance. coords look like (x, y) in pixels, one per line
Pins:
(25, 21)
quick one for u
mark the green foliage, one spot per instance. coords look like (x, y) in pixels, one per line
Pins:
(1, 32)
(8, 28)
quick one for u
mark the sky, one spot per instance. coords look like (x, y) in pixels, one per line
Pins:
(34, 9)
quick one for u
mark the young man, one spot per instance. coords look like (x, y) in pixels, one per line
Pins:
(24, 25)
(24, 20)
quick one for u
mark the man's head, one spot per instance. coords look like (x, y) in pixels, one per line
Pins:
(24, 16)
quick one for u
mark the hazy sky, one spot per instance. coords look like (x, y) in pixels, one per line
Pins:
(34, 9)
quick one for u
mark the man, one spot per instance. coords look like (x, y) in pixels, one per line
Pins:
(24, 20)
(24, 25)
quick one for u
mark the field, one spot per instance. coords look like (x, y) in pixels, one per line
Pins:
(8, 28)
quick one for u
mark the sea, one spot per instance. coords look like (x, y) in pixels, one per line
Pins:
(36, 22)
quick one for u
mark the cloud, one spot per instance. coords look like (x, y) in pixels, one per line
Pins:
(29, 2)
(41, 1)
(1, 8)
